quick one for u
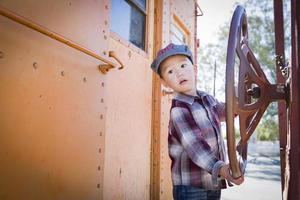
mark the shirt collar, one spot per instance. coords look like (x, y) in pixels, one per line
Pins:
(188, 98)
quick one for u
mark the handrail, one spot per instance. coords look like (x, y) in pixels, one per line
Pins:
(26, 22)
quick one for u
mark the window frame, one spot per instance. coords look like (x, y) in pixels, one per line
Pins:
(125, 41)
(181, 27)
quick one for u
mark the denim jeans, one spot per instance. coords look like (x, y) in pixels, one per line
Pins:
(182, 192)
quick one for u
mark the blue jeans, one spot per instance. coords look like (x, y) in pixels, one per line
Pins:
(182, 192)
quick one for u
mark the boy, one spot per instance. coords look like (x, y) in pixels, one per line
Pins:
(196, 146)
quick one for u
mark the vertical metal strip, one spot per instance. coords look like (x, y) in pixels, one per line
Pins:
(282, 114)
(294, 184)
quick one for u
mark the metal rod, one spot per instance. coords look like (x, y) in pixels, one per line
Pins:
(26, 22)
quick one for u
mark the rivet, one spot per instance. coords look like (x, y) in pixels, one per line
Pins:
(1, 54)
(35, 66)
(84, 79)
(62, 73)
(98, 185)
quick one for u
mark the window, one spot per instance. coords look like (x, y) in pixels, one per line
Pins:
(128, 19)
(178, 33)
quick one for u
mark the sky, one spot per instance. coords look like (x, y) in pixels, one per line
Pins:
(215, 13)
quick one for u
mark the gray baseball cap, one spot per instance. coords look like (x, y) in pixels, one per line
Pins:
(170, 50)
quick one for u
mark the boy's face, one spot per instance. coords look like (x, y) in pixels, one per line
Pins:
(178, 73)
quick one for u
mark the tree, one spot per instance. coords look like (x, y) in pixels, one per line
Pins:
(262, 42)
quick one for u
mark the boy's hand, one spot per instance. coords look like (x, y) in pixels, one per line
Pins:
(225, 173)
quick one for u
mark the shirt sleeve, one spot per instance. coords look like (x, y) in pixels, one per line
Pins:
(221, 110)
(193, 142)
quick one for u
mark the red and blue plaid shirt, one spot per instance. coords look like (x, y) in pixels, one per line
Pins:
(196, 146)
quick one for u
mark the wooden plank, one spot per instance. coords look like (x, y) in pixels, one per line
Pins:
(156, 107)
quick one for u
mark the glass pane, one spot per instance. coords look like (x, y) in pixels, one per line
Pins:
(175, 40)
(137, 28)
(142, 3)
(128, 22)
(178, 34)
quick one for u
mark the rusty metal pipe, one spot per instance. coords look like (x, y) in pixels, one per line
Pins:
(30, 24)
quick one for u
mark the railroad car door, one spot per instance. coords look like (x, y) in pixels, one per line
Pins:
(128, 101)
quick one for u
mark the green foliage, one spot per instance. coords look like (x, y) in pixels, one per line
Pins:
(268, 130)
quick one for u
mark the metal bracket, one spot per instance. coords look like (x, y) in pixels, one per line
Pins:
(104, 68)
(167, 91)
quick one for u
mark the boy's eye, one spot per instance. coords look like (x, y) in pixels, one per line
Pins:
(183, 65)
(170, 71)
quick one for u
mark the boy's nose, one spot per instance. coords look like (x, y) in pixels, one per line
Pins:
(179, 73)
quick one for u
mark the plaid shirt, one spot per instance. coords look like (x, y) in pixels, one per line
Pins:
(196, 146)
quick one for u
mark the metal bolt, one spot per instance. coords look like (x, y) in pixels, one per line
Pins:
(35, 66)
